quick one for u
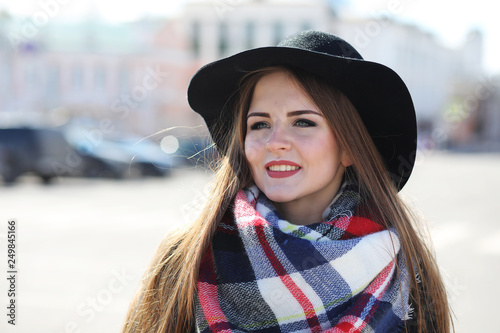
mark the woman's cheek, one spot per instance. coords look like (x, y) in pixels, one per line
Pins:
(251, 151)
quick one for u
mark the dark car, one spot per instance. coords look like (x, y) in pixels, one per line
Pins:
(197, 151)
(43, 152)
(136, 157)
(46, 153)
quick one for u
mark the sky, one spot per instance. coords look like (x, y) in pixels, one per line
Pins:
(449, 20)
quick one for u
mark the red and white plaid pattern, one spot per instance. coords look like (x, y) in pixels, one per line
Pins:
(263, 274)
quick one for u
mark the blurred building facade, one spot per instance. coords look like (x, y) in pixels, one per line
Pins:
(217, 29)
(136, 74)
(472, 117)
(132, 75)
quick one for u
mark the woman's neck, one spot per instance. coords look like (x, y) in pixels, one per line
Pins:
(303, 212)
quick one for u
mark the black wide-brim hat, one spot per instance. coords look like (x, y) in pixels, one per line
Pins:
(379, 95)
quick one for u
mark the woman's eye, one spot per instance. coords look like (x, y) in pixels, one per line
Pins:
(259, 125)
(305, 123)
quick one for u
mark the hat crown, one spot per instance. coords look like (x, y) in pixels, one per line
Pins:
(321, 42)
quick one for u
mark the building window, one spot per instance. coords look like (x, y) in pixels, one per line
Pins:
(278, 32)
(195, 38)
(77, 77)
(5, 76)
(123, 80)
(31, 77)
(53, 81)
(100, 78)
(223, 39)
(250, 35)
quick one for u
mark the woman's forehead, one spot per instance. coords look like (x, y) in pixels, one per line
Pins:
(280, 89)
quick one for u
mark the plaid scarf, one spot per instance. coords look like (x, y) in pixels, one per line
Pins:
(264, 274)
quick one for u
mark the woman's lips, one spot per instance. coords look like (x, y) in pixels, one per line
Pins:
(282, 169)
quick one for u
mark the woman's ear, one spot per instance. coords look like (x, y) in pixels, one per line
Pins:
(345, 159)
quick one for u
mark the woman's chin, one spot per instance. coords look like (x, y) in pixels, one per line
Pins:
(279, 196)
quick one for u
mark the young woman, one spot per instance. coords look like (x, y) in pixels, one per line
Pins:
(304, 230)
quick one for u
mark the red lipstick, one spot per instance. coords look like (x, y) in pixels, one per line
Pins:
(278, 171)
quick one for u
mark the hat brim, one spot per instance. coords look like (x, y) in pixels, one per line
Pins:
(376, 91)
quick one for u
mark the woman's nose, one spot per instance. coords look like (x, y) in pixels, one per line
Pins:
(278, 140)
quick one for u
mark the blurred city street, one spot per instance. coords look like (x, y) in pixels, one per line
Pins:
(83, 245)
(94, 114)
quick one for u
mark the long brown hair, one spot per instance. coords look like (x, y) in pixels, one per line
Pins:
(165, 299)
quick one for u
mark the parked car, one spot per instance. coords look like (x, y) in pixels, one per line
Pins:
(137, 156)
(39, 151)
(47, 154)
(197, 151)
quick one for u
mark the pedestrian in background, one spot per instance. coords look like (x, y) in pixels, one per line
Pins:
(304, 230)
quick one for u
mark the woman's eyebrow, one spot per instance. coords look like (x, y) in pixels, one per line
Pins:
(301, 112)
(258, 114)
(289, 114)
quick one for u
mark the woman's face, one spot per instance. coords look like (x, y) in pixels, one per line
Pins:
(291, 149)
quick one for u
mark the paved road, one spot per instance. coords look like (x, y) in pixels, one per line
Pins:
(83, 245)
